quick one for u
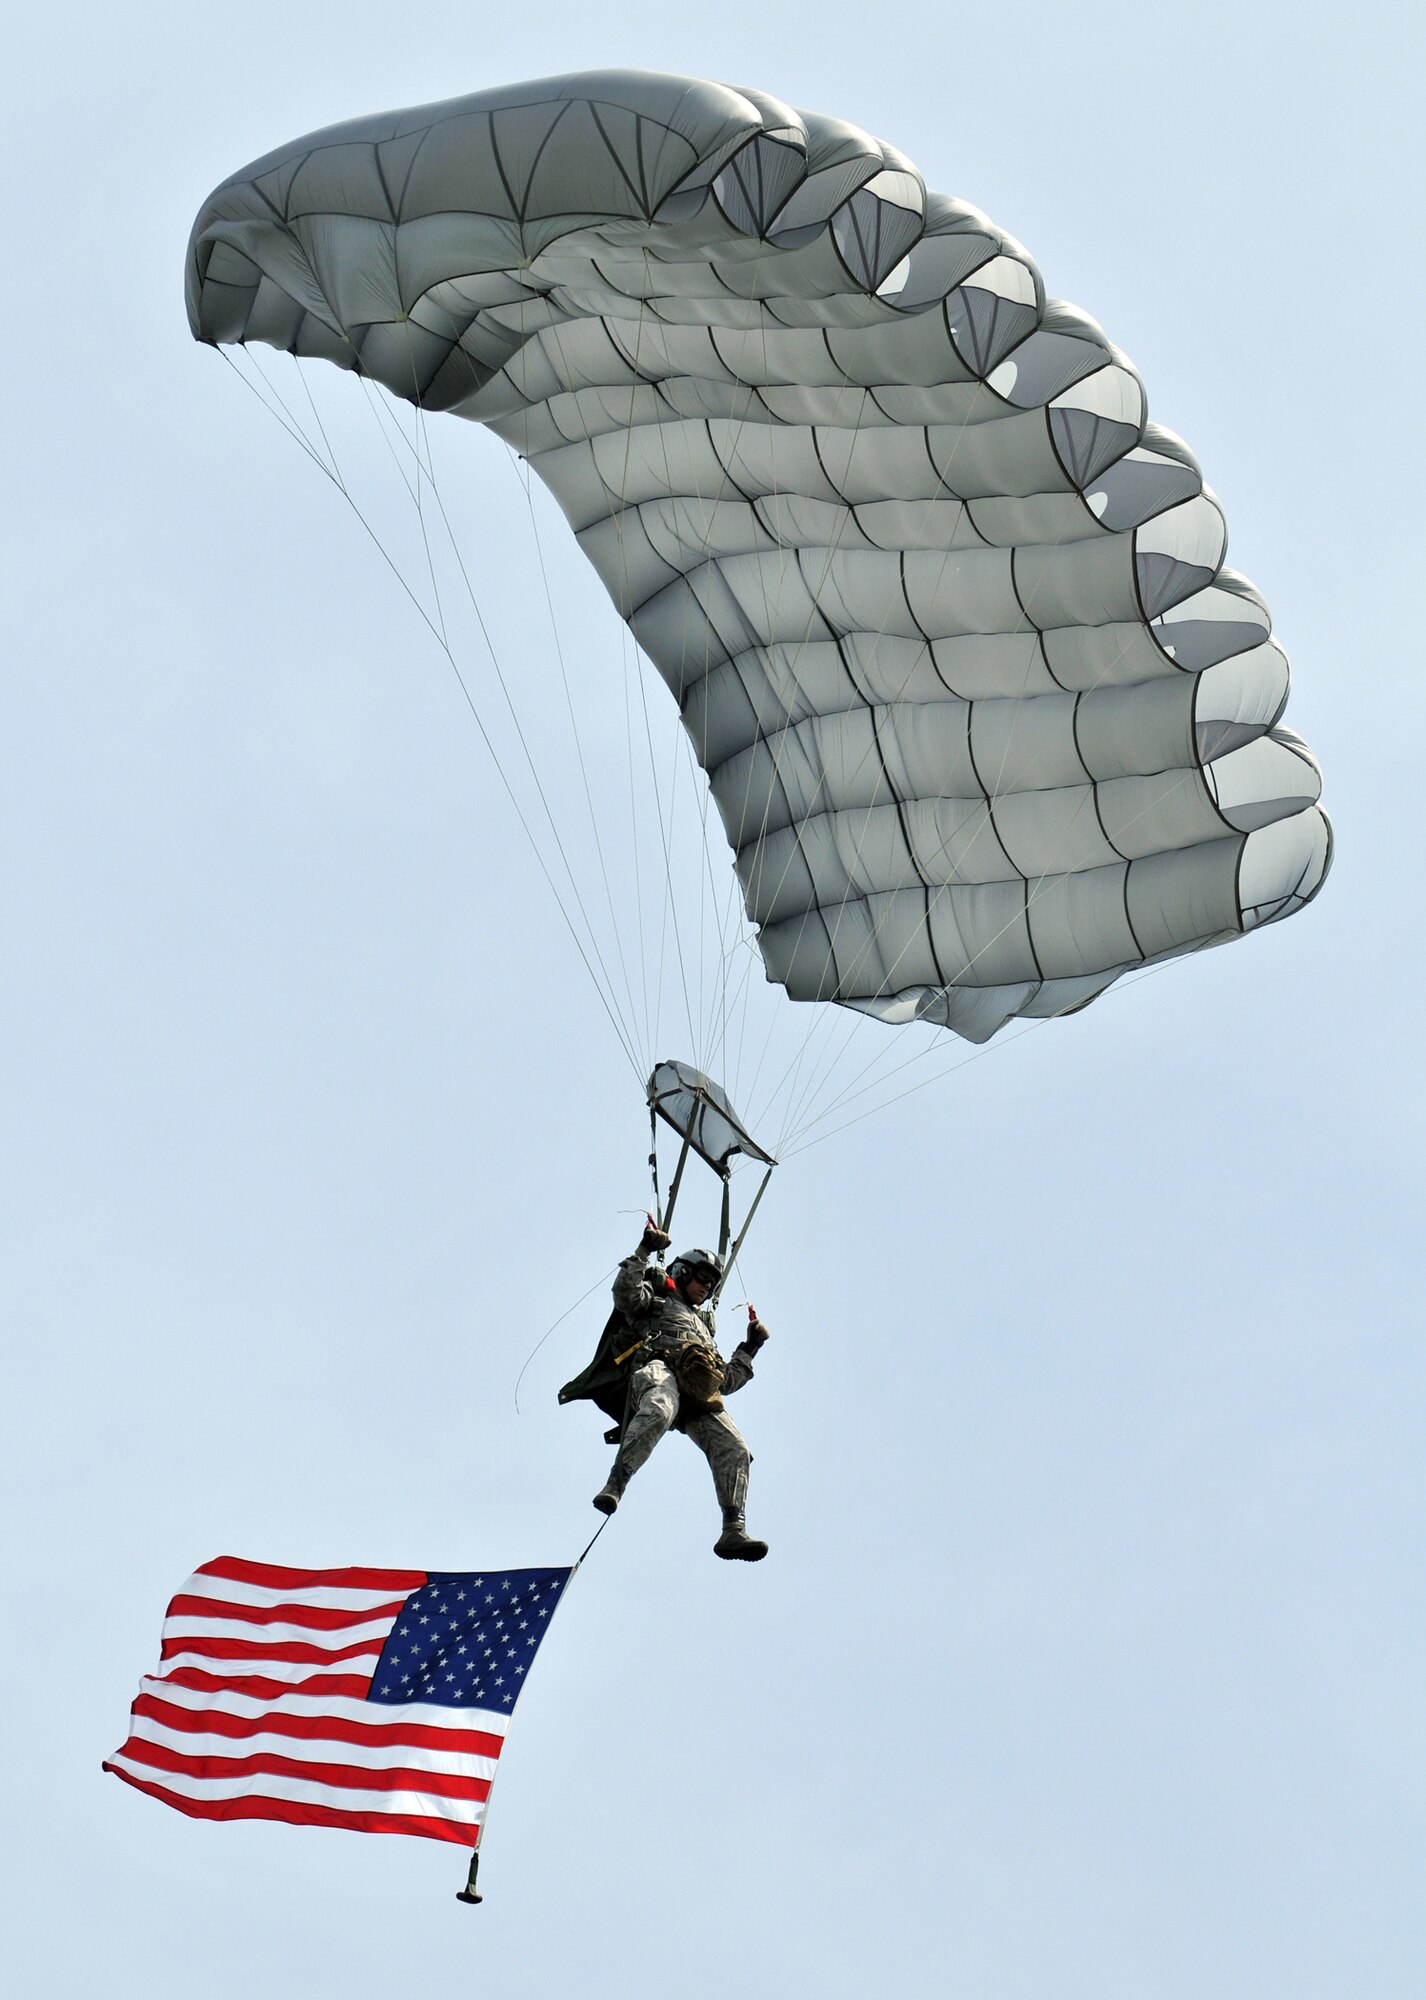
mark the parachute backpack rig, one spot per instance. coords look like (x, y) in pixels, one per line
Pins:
(699, 1111)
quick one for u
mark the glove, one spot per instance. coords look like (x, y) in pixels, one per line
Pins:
(653, 1239)
(757, 1334)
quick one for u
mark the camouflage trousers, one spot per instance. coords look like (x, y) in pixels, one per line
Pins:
(653, 1405)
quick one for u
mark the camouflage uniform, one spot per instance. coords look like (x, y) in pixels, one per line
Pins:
(665, 1321)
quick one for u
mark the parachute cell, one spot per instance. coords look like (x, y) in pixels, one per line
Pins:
(987, 721)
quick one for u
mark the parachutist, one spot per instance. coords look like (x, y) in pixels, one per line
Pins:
(677, 1379)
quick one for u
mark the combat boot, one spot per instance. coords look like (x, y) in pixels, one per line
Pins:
(611, 1492)
(735, 1544)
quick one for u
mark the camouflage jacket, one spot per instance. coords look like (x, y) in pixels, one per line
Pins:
(661, 1319)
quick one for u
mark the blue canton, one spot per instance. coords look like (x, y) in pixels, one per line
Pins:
(467, 1641)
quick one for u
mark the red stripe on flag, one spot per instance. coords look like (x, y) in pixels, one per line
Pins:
(274, 1576)
(458, 1831)
(296, 1650)
(323, 1728)
(263, 1687)
(354, 1777)
(314, 1615)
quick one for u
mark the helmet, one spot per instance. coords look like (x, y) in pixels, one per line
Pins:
(688, 1262)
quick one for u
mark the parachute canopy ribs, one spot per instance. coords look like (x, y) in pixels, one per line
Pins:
(987, 720)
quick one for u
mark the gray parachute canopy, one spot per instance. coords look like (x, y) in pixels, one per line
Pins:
(987, 721)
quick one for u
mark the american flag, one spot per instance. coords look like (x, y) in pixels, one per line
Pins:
(375, 1699)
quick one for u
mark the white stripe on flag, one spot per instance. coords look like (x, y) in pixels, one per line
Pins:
(314, 1750)
(187, 1626)
(340, 1707)
(363, 1665)
(223, 1590)
(300, 1791)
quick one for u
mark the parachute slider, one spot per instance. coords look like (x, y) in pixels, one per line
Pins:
(699, 1111)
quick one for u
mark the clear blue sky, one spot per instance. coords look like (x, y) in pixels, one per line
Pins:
(1088, 1659)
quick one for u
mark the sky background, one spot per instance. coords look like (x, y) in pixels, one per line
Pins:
(1088, 1658)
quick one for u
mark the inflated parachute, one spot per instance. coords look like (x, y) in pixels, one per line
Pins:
(987, 721)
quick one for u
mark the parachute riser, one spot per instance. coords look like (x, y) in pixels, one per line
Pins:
(682, 1095)
(725, 1225)
(742, 1233)
(666, 1218)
